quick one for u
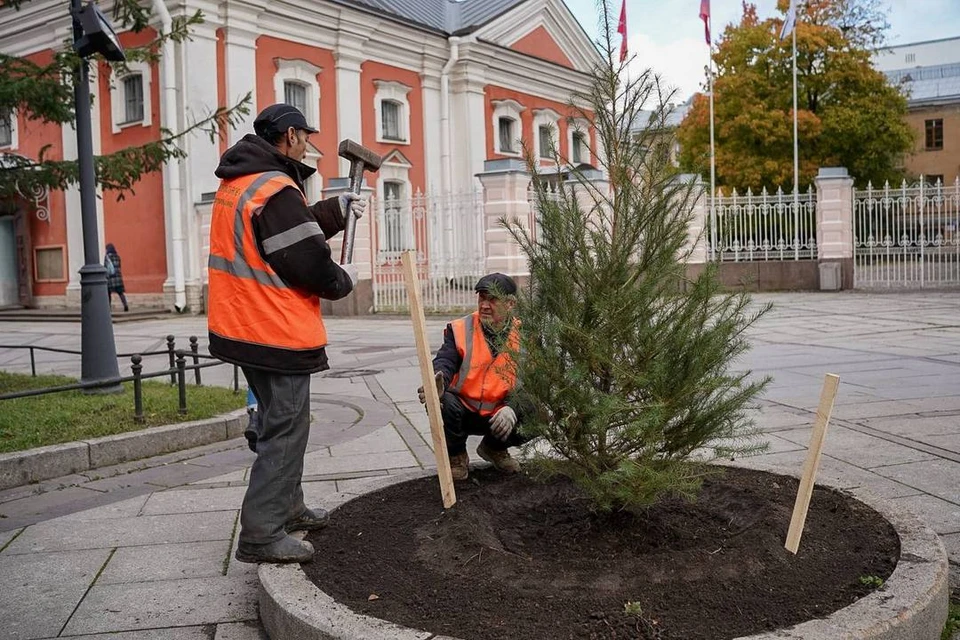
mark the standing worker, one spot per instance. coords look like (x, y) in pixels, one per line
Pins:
(270, 265)
(475, 378)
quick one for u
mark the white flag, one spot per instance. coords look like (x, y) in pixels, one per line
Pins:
(791, 20)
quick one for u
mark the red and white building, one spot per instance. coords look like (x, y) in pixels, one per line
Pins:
(437, 87)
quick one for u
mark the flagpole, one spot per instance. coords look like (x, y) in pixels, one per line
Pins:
(713, 153)
(796, 154)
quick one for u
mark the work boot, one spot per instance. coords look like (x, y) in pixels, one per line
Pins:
(460, 466)
(253, 428)
(309, 520)
(286, 549)
(502, 460)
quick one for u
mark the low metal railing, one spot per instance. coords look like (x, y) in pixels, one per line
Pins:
(177, 371)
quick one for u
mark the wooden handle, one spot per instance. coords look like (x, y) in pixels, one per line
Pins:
(810, 467)
(447, 491)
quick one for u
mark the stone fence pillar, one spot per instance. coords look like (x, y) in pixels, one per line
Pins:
(835, 228)
(505, 195)
(697, 229)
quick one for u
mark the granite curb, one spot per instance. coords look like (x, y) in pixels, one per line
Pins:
(43, 463)
(912, 604)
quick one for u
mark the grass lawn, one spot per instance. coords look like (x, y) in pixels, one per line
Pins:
(38, 421)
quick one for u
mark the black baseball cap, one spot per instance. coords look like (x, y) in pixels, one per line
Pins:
(277, 118)
(497, 284)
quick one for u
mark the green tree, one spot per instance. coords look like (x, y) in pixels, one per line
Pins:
(848, 115)
(625, 360)
(44, 92)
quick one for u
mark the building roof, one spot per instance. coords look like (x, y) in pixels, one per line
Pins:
(446, 16)
(928, 85)
(675, 113)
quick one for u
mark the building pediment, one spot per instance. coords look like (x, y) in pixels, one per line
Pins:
(543, 29)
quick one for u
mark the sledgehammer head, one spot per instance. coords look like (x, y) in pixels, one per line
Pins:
(354, 152)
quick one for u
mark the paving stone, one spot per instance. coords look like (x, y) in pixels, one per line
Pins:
(40, 591)
(233, 476)
(942, 516)
(861, 449)
(318, 492)
(240, 631)
(915, 426)
(166, 562)
(950, 443)
(177, 633)
(951, 543)
(380, 441)
(123, 532)
(884, 408)
(194, 500)
(123, 509)
(314, 465)
(7, 536)
(170, 603)
(940, 478)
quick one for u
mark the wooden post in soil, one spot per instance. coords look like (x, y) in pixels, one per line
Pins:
(812, 464)
(427, 376)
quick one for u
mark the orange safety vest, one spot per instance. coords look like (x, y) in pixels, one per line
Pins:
(483, 382)
(249, 302)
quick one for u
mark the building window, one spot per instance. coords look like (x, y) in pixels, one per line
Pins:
(390, 114)
(546, 141)
(934, 131)
(392, 111)
(133, 99)
(546, 125)
(129, 96)
(394, 233)
(505, 127)
(6, 130)
(910, 58)
(578, 148)
(934, 180)
(295, 95)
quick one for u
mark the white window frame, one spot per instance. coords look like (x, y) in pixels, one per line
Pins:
(394, 92)
(545, 118)
(507, 109)
(313, 186)
(394, 170)
(14, 139)
(303, 73)
(582, 126)
(118, 101)
(298, 85)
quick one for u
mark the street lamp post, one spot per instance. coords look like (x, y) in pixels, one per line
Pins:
(92, 34)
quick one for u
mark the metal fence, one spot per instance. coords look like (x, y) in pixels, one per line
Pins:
(907, 236)
(446, 231)
(762, 227)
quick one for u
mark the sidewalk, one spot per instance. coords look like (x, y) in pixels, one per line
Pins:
(143, 551)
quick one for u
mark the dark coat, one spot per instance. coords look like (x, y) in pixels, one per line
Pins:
(115, 281)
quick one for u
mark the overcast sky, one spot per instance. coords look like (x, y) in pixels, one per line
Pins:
(668, 34)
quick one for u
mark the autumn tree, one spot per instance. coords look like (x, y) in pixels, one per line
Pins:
(44, 92)
(848, 115)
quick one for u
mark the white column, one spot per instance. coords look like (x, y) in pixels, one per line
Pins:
(349, 119)
(74, 227)
(431, 131)
(469, 117)
(240, 62)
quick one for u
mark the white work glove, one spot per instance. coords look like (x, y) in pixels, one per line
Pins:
(352, 271)
(503, 422)
(353, 203)
(440, 384)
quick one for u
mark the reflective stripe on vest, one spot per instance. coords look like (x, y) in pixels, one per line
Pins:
(483, 382)
(249, 302)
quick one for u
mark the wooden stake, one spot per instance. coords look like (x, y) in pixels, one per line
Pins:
(427, 375)
(812, 464)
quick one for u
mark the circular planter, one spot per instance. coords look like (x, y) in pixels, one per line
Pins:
(912, 605)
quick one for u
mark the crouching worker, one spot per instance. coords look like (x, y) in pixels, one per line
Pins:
(475, 378)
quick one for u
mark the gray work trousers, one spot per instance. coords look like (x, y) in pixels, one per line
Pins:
(274, 495)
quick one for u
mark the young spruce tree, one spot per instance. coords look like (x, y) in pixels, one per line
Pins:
(625, 358)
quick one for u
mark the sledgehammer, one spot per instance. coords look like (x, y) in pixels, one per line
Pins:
(361, 159)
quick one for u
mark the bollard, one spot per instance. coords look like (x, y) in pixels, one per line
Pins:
(182, 382)
(173, 364)
(137, 388)
(195, 348)
(236, 379)
(33, 364)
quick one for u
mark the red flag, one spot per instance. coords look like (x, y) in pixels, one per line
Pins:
(622, 30)
(705, 16)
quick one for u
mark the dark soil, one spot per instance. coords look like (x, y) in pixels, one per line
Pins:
(516, 559)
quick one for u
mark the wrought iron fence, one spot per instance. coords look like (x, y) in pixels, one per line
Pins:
(177, 371)
(762, 227)
(446, 231)
(907, 236)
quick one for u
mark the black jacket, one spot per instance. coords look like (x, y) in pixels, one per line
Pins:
(306, 265)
